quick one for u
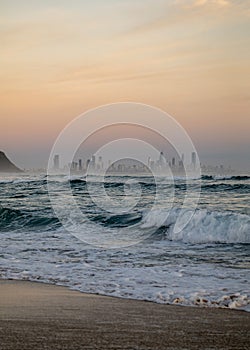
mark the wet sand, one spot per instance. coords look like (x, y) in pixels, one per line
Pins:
(40, 316)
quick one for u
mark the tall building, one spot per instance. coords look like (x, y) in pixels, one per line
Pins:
(73, 166)
(80, 164)
(173, 162)
(162, 161)
(56, 161)
(100, 162)
(93, 162)
(149, 162)
(181, 166)
(194, 159)
(152, 164)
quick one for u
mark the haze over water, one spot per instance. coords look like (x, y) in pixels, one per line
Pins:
(188, 57)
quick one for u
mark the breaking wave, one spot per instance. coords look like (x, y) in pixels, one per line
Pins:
(203, 227)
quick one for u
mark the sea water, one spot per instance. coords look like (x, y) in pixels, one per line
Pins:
(205, 264)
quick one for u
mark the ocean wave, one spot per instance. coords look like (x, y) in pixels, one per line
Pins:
(116, 181)
(203, 227)
(226, 177)
(122, 220)
(23, 181)
(226, 187)
(5, 181)
(16, 219)
(77, 181)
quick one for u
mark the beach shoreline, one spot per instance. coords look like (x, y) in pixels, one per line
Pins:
(36, 315)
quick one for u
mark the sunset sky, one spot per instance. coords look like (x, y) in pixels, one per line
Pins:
(189, 57)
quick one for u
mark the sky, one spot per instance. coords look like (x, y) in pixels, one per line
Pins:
(188, 57)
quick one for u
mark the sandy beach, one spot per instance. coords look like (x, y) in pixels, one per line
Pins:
(41, 316)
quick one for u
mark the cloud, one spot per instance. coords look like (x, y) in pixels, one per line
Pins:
(200, 3)
(187, 13)
(219, 3)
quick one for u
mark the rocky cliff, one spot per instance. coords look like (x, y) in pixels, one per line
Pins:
(6, 165)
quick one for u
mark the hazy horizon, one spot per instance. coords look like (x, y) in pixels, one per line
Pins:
(188, 57)
(40, 161)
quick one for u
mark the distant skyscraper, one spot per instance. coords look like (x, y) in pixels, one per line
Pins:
(194, 159)
(100, 163)
(152, 164)
(73, 166)
(149, 162)
(181, 164)
(161, 159)
(173, 162)
(56, 161)
(80, 164)
(93, 162)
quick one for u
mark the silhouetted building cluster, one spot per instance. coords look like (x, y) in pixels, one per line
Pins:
(175, 164)
(162, 163)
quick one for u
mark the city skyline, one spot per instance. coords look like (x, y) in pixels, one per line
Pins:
(127, 165)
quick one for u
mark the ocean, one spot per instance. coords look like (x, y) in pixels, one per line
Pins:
(206, 264)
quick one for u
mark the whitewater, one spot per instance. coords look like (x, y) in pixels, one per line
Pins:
(205, 264)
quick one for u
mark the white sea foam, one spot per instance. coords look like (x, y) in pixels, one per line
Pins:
(203, 227)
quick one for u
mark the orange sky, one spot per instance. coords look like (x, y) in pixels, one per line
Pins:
(188, 57)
